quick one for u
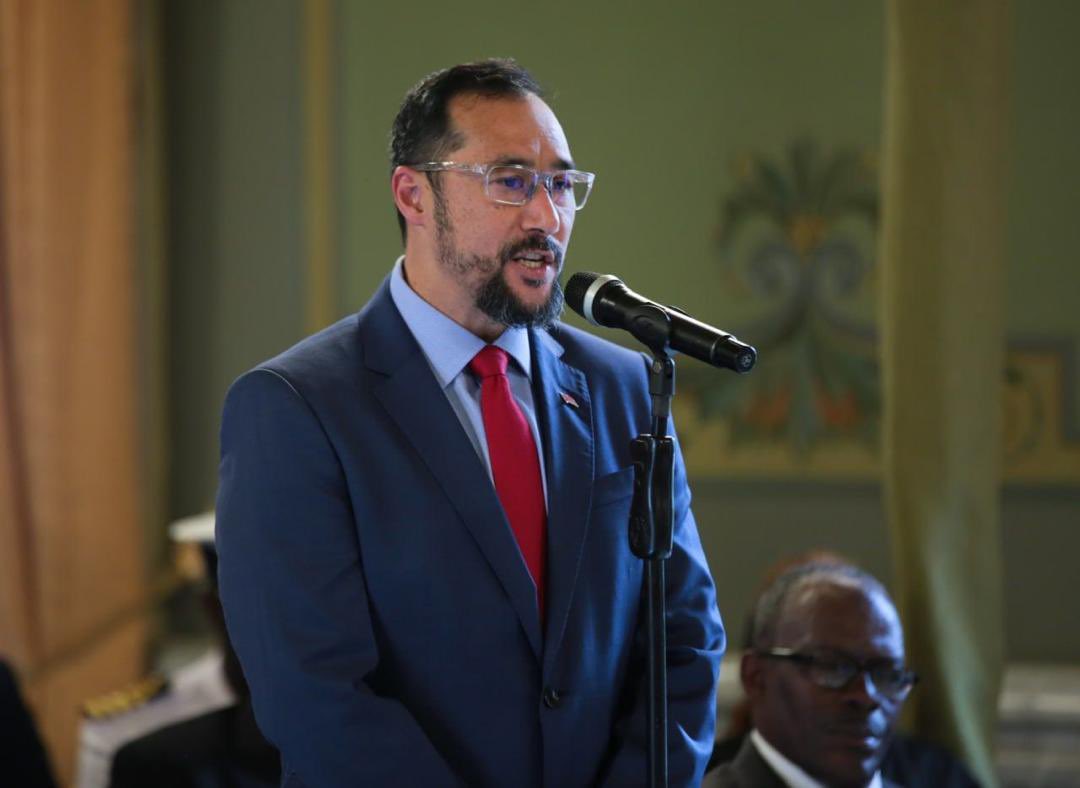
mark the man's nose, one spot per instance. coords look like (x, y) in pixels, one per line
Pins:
(540, 212)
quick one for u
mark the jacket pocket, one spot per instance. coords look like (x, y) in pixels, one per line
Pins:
(613, 487)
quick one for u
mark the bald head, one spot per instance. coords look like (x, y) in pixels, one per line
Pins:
(805, 583)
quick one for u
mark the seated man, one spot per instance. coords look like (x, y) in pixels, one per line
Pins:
(825, 678)
(217, 747)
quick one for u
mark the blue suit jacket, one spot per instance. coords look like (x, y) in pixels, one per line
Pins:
(384, 617)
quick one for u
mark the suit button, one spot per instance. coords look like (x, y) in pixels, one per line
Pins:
(552, 698)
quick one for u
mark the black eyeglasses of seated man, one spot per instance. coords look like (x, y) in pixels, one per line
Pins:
(515, 184)
(835, 671)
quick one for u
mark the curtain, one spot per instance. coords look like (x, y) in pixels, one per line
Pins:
(943, 257)
(71, 552)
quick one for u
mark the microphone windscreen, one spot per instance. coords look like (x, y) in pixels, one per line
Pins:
(576, 287)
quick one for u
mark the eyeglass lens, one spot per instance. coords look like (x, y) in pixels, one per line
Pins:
(516, 185)
(838, 673)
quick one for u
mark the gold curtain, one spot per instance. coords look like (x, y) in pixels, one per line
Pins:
(70, 543)
(943, 257)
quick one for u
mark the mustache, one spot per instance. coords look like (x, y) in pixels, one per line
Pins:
(532, 244)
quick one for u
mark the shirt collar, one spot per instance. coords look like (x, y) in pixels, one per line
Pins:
(791, 774)
(448, 346)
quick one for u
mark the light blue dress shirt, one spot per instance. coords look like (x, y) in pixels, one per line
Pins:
(449, 347)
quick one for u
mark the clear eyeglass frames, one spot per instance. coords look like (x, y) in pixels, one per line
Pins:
(515, 184)
(837, 671)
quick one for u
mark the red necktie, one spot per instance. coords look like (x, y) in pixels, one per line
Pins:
(514, 463)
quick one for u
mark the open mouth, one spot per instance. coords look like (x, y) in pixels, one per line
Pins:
(534, 258)
(534, 254)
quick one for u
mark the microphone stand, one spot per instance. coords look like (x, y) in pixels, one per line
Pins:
(651, 535)
(652, 518)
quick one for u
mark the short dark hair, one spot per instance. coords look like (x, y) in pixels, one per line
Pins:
(422, 131)
(770, 605)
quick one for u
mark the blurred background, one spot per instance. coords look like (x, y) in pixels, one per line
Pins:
(877, 195)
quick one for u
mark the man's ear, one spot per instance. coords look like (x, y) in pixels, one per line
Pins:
(751, 671)
(408, 191)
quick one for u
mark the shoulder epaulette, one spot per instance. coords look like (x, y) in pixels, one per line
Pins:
(122, 700)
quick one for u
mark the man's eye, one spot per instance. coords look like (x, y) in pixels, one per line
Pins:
(887, 675)
(834, 672)
(561, 183)
(512, 182)
(831, 667)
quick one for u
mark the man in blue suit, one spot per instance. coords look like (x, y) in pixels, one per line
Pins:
(424, 560)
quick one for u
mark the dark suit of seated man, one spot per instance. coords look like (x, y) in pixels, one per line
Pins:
(825, 677)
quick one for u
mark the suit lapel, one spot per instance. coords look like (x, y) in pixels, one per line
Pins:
(412, 397)
(564, 416)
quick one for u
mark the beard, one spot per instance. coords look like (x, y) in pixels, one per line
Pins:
(496, 300)
(494, 297)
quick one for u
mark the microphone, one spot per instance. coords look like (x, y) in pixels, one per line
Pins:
(604, 300)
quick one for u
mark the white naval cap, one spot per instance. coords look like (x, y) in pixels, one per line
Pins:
(197, 529)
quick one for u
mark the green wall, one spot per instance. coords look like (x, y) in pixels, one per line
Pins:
(660, 103)
(657, 102)
(1044, 234)
(233, 114)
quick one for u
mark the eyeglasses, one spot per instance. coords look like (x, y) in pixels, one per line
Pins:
(514, 184)
(837, 671)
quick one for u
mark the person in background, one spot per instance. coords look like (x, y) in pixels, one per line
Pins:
(825, 680)
(218, 748)
(192, 728)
